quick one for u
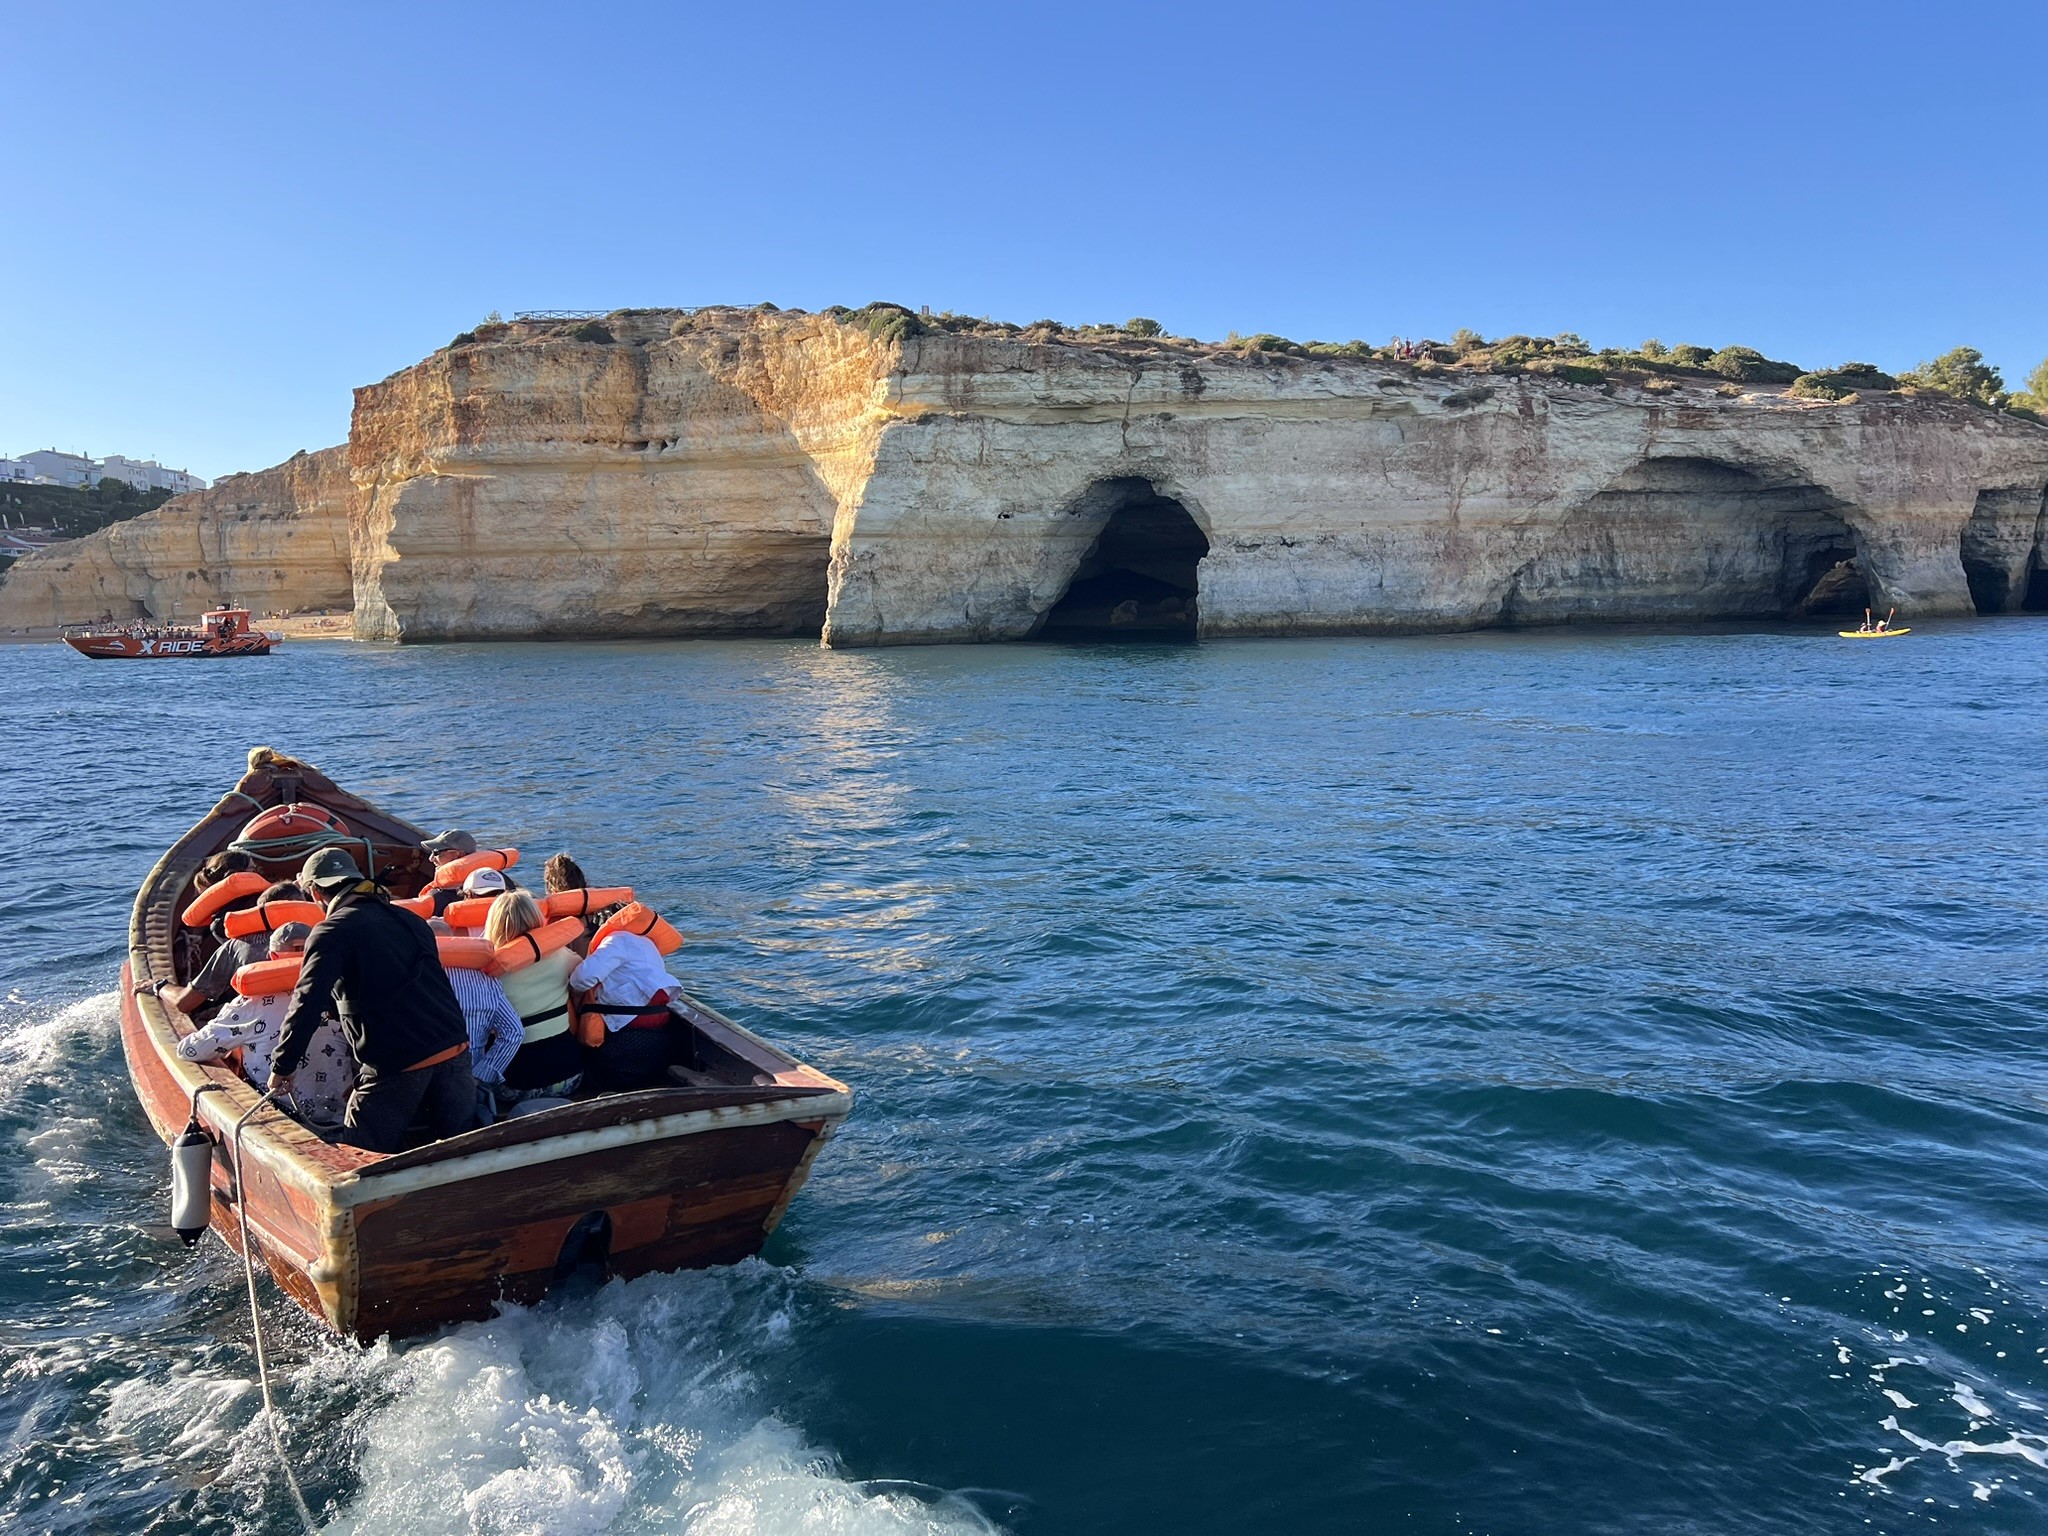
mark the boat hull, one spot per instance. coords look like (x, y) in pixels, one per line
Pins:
(662, 1179)
(124, 647)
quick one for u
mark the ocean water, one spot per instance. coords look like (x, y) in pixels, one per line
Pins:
(1568, 1082)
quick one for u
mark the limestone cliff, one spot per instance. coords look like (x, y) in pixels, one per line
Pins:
(270, 540)
(656, 484)
(1338, 497)
(753, 471)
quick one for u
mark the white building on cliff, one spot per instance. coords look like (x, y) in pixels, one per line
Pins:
(48, 466)
(146, 475)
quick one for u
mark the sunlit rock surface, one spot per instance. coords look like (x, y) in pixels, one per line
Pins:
(277, 539)
(754, 471)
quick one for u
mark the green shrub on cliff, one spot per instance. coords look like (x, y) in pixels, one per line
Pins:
(592, 330)
(1840, 383)
(887, 322)
(1752, 367)
(462, 339)
(1960, 373)
(75, 511)
(1685, 355)
(2033, 400)
(1143, 327)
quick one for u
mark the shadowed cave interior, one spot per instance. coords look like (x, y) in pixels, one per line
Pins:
(2002, 551)
(1689, 538)
(1138, 580)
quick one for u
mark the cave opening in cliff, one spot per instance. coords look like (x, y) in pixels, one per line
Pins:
(2036, 600)
(1691, 537)
(1139, 579)
(2000, 553)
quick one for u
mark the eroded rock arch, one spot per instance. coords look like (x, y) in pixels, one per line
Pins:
(1691, 537)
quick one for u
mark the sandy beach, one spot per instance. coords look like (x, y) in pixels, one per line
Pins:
(297, 626)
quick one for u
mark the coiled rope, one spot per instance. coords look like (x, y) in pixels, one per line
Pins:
(270, 1413)
(296, 849)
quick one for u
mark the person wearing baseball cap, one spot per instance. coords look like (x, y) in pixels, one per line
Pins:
(376, 967)
(443, 846)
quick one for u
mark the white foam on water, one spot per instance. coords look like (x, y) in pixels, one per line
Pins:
(63, 1152)
(33, 1045)
(1967, 1399)
(1875, 1476)
(183, 1416)
(639, 1407)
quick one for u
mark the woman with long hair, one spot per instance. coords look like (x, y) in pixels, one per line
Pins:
(549, 1063)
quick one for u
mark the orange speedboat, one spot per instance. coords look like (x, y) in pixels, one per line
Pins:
(223, 632)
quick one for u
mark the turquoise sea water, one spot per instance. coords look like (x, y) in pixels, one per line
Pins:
(1551, 1083)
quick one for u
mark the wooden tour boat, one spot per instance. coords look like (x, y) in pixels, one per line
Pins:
(223, 632)
(673, 1177)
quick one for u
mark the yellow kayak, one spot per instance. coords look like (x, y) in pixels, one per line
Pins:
(1872, 634)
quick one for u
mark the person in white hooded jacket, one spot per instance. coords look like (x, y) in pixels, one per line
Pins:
(252, 1026)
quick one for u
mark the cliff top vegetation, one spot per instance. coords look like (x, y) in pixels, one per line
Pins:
(75, 511)
(1960, 374)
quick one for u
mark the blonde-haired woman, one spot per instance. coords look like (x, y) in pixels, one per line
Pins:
(549, 1063)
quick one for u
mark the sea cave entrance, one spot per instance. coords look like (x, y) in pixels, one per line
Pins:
(2002, 551)
(1139, 579)
(1695, 538)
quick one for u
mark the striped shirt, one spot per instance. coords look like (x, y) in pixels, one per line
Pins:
(495, 1033)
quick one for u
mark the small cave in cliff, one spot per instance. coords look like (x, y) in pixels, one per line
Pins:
(2000, 554)
(1834, 583)
(2036, 600)
(1139, 579)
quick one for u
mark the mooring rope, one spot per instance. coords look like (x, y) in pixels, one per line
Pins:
(270, 1413)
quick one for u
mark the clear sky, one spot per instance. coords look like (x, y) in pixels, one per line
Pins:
(222, 218)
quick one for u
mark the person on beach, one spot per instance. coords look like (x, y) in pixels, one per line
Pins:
(625, 982)
(253, 1025)
(549, 1063)
(376, 967)
(495, 1033)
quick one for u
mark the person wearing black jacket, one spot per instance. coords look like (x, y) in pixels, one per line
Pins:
(377, 967)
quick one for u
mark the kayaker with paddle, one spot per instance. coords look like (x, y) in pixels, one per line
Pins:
(377, 968)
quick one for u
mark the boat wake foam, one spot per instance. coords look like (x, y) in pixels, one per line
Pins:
(50, 1048)
(638, 1406)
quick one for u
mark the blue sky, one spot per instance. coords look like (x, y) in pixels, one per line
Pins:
(222, 218)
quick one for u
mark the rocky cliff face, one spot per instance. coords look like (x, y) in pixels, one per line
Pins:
(1339, 497)
(659, 484)
(735, 471)
(271, 540)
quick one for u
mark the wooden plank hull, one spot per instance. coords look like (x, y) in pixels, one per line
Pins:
(677, 1178)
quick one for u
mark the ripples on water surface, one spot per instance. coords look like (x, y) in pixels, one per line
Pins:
(1577, 1082)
